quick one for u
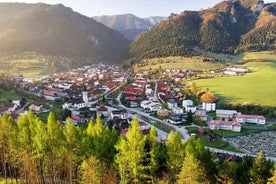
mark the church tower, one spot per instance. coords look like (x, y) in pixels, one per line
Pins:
(85, 95)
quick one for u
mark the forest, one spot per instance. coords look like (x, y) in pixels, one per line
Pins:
(32, 151)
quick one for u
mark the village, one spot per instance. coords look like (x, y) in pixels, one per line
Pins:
(116, 95)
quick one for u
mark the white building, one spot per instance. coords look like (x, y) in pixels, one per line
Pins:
(225, 125)
(172, 103)
(186, 103)
(209, 106)
(190, 109)
(177, 110)
(245, 118)
(226, 113)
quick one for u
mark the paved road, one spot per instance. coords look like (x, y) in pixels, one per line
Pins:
(237, 154)
(182, 131)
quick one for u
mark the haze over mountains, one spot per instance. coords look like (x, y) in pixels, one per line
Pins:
(229, 27)
(57, 30)
(129, 24)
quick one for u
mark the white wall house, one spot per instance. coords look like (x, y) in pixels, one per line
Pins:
(245, 118)
(225, 125)
(226, 113)
(186, 103)
(190, 108)
(209, 106)
(177, 110)
(172, 103)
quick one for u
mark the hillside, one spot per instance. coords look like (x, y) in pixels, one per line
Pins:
(128, 24)
(228, 27)
(59, 31)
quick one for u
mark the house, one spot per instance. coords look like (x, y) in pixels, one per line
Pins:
(201, 114)
(144, 129)
(76, 119)
(102, 110)
(225, 125)
(172, 103)
(221, 113)
(154, 107)
(163, 113)
(190, 109)
(186, 103)
(119, 114)
(177, 110)
(209, 106)
(36, 106)
(245, 118)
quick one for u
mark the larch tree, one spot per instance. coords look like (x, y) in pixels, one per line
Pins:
(152, 154)
(72, 149)
(272, 180)
(130, 154)
(176, 154)
(192, 171)
(261, 169)
(90, 171)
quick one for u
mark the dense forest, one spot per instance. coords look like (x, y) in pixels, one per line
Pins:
(228, 27)
(57, 31)
(32, 151)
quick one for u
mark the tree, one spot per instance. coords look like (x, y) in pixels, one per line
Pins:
(90, 171)
(72, 147)
(152, 151)
(208, 97)
(261, 169)
(176, 153)
(272, 180)
(192, 172)
(130, 154)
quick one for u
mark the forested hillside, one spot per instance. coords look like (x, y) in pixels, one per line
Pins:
(32, 151)
(129, 24)
(228, 27)
(59, 31)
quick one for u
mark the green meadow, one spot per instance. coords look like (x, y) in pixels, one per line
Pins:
(258, 87)
(176, 63)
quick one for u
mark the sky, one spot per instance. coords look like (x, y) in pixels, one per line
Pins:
(141, 8)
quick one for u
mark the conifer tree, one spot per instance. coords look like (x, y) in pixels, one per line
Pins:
(192, 172)
(261, 170)
(130, 154)
(176, 153)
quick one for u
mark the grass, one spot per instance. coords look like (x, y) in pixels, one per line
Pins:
(9, 95)
(255, 88)
(176, 63)
(218, 142)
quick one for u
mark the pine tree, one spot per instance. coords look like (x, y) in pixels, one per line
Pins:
(130, 154)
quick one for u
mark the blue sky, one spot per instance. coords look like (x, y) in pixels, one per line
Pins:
(141, 8)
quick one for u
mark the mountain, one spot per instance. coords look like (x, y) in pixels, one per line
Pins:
(59, 31)
(128, 24)
(229, 27)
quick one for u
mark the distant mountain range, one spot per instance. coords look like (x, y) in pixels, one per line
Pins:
(59, 31)
(229, 27)
(128, 24)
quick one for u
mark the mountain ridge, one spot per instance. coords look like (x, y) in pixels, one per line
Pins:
(58, 30)
(128, 24)
(228, 27)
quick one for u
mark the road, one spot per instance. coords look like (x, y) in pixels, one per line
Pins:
(182, 131)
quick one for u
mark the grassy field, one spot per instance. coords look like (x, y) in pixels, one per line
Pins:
(258, 87)
(176, 63)
(9, 95)
(27, 67)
